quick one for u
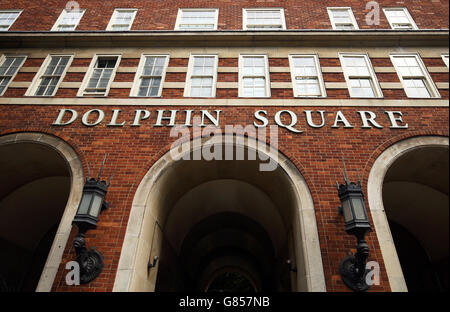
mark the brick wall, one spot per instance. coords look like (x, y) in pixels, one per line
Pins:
(429, 14)
(317, 153)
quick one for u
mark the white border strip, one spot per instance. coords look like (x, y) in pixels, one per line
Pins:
(80, 101)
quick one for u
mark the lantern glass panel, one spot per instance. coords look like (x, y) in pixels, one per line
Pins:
(96, 205)
(358, 207)
(85, 203)
(347, 210)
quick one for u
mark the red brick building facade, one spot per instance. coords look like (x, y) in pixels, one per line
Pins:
(396, 133)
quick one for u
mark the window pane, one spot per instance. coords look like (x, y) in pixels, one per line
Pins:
(10, 66)
(305, 66)
(106, 63)
(408, 67)
(399, 19)
(154, 66)
(70, 20)
(264, 19)
(6, 64)
(254, 87)
(201, 86)
(361, 88)
(203, 66)
(201, 19)
(52, 75)
(254, 66)
(345, 27)
(149, 87)
(3, 83)
(7, 19)
(120, 27)
(308, 87)
(416, 88)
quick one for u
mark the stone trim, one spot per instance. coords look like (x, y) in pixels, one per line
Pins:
(127, 277)
(303, 37)
(375, 199)
(231, 51)
(77, 182)
(323, 102)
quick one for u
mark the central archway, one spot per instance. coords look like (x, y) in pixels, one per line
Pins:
(203, 218)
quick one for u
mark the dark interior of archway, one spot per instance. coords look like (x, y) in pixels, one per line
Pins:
(231, 240)
(220, 242)
(415, 196)
(34, 188)
(231, 282)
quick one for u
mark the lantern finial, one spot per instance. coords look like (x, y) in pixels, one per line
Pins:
(101, 168)
(345, 171)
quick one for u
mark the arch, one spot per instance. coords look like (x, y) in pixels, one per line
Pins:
(131, 271)
(74, 166)
(374, 192)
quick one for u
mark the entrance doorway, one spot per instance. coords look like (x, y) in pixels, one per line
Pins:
(221, 225)
(415, 197)
(35, 183)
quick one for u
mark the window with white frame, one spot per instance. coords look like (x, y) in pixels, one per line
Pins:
(306, 76)
(414, 76)
(150, 76)
(68, 20)
(50, 75)
(342, 18)
(264, 18)
(7, 18)
(254, 80)
(100, 75)
(197, 19)
(9, 66)
(445, 58)
(360, 76)
(399, 18)
(201, 77)
(122, 19)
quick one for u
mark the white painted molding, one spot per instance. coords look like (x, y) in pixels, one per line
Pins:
(322, 102)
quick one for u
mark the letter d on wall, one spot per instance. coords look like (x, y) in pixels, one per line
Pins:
(62, 112)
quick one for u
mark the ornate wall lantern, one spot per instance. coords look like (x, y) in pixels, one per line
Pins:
(91, 204)
(353, 268)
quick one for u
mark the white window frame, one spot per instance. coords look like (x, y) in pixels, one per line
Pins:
(187, 89)
(445, 58)
(37, 78)
(319, 75)
(266, 74)
(376, 85)
(114, 15)
(352, 17)
(429, 83)
(11, 11)
(2, 59)
(138, 77)
(61, 18)
(405, 10)
(87, 77)
(244, 18)
(180, 13)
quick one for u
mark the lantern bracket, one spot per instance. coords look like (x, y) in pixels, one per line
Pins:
(90, 260)
(353, 268)
(91, 205)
